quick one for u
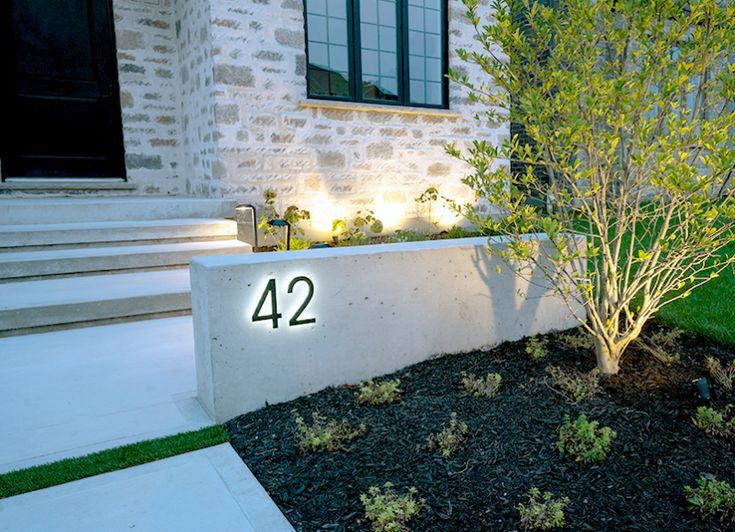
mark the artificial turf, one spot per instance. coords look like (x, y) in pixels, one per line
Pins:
(69, 469)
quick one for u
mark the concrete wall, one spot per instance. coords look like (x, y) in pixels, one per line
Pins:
(377, 309)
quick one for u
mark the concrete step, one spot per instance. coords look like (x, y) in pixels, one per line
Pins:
(55, 262)
(27, 306)
(89, 233)
(23, 211)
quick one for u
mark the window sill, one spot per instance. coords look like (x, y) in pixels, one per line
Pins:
(377, 108)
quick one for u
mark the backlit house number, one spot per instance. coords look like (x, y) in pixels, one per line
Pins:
(274, 316)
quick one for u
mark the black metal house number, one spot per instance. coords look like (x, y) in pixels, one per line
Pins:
(274, 316)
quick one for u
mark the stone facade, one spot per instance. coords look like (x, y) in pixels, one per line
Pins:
(214, 104)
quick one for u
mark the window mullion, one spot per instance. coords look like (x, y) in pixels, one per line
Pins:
(403, 52)
(356, 74)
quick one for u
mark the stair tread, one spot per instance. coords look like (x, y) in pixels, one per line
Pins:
(107, 251)
(73, 290)
(121, 224)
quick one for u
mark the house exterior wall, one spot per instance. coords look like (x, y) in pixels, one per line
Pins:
(214, 104)
(148, 58)
(329, 161)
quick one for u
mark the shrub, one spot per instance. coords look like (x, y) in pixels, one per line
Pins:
(715, 422)
(712, 498)
(642, 170)
(536, 347)
(379, 393)
(724, 375)
(293, 215)
(542, 512)
(574, 384)
(583, 440)
(388, 512)
(579, 340)
(323, 435)
(487, 386)
(661, 344)
(407, 235)
(450, 438)
(356, 231)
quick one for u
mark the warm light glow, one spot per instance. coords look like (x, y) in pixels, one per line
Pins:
(444, 216)
(390, 213)
(324, 212)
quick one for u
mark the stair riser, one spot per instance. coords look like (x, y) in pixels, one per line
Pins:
(65, 266)
(70, 210)
(29, 240)
(127, 309)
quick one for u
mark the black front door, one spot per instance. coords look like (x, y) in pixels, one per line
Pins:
(61, 108)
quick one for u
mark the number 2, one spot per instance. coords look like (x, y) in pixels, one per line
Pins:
(295, 320)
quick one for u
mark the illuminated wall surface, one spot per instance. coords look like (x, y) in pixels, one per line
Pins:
(213, 96)
(270, 327)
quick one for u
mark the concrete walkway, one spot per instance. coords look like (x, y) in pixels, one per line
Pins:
(69, 393)
(209, 489)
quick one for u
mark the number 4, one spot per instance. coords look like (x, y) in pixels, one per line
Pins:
(270, 290)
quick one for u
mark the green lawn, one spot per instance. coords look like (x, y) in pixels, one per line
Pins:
(43, 476)
(709, 311)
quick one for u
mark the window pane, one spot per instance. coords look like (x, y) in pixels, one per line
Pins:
(379, 56)
(327, 47)
(425, 52)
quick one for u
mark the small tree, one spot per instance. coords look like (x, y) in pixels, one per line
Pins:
(627, 119)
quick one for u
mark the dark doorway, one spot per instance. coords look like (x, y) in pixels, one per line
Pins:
(61, 107)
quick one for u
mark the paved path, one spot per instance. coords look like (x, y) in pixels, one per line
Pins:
(204, 490)
(72, 392)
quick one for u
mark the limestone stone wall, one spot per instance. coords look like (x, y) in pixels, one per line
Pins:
(330, 161)
(148, 57)
(196, 101)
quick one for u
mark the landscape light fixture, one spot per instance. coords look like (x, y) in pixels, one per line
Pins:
(279, 222)
(702, 387)
(240, 212)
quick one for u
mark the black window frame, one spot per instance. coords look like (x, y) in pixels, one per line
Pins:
(354, 51)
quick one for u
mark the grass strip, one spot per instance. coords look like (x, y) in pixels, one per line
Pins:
(69, 469)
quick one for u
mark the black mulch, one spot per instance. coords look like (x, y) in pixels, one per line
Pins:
(511, 446)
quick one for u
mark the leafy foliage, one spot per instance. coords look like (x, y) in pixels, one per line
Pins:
(356, 230)
(487, 386)
(575, 385)
(723, 374)
(536, 347)
(323, 435)
(379, 393)
(542, 512)
(715, 422)
(450, 438)
(712, 498)
(626, 112)
(583, 440)
(389, 512)
(293, 215)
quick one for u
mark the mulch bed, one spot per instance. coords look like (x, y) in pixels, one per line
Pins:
(511, 446)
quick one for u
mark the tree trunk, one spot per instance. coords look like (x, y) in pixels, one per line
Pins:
(607, 359)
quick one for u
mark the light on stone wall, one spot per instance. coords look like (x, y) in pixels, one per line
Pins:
(390, 213)
(324, 212)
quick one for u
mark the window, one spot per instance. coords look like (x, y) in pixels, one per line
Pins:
(379, 51)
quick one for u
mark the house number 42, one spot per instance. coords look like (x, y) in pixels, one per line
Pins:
(274, 316)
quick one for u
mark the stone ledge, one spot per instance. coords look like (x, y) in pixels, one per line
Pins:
(40, 184)
(377, 108)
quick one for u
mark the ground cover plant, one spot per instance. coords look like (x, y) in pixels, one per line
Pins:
(626, 113)
(379, 393)
(575, 385)
(712, 498)
(510, 445)
(584, 440)
(715, 422)
(487, 386)
(542, 511)
(325, 435)
(389, 512)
